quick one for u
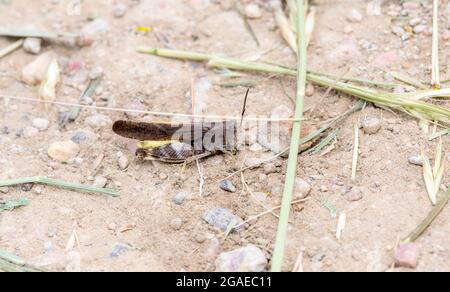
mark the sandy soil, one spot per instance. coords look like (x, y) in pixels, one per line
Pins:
(395, 198)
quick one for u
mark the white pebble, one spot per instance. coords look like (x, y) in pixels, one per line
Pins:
(253, 11)
(32, 45)
(41, 124)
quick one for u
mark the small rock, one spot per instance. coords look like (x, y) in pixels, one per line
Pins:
(418, 29)
(30, 132)
(176, 223)
(221, 218)
(371, 125)
(163, 176)
(282, 112)
(32, 45)
(253, 11)
(407, 255)
(398, 31)
(415, 21)
(302, 189)
(34, 72)
(120, 10)
(63, 151)
(416, 160)
(200, 238)
(354, 195)
(98, 121)
(118, 250)
(100, 182)
(270, 168)
(310, 90)
(256, 148)
(41, 124)
(123, 162)
(96, 73)
(83, 135)
(354, 16)
(4, 190)
(213, 249)
(179, 198)
(112, 226)
(38, 190)
(228, 186)
(246, 259)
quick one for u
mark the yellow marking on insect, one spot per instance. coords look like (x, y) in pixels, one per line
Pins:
(144, 28)
(153, 144)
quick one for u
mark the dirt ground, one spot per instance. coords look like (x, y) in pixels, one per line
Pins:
(394, 195)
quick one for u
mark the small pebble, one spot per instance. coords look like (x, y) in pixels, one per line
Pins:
(95, 73)
(123, 162)
(118, 250)
(34, 72)
(407, 255)
(30, 132)
(38, 190)
(416, 160)
(179, 198)
(100, 182)
(221, 218)
(98, 121)
(354, 16)
(228, 186)
(310, 90)
(418, 29)
(246, 259)
(354, 195)
(120, 10)
(176, 223)
(32, 45)
(253, 11)
(41, 124)
(112, 226)
(79, 137)
(4, 190)
(63, 151)
(270, 168)
(415, 21)
(256, 148)
(302, 189)
(371, 125)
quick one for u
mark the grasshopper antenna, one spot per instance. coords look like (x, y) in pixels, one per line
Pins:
(244, 108)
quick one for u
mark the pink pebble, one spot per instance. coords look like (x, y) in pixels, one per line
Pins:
(407, 255)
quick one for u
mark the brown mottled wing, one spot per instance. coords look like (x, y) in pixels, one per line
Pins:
(187, 133)
(146, 131)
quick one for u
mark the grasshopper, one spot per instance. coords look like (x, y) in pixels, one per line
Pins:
(179, 142)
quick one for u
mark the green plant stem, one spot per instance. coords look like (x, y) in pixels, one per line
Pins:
(278, 254)
(11, 48)
(59, 183)
(417, 108)
(408, 80)
(434, 213)
(435, 81)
